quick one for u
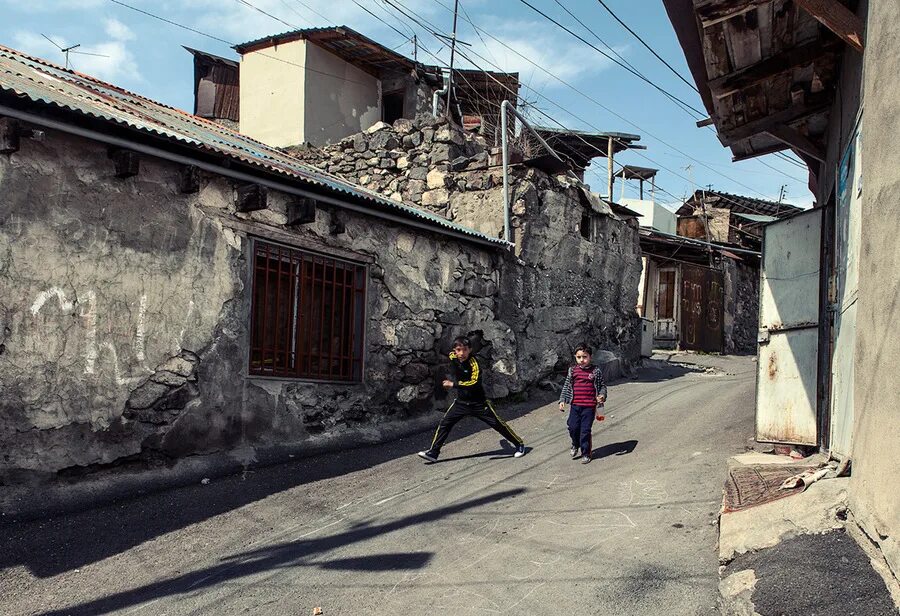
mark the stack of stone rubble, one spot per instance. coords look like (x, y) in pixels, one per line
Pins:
(422, 161)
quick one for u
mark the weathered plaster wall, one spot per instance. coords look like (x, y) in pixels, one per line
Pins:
(105, 285)
(124, 310)
(339, 99)
(273, 94)
(876, 438)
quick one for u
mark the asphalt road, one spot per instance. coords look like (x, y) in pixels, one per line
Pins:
(376, 531)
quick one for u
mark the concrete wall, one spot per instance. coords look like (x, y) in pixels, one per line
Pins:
(652, 214)
(335, 107)
(124, 313)
(876, 440)
(273, 94)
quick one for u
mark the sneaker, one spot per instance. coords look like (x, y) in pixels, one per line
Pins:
(428, 455)
(574, 453)
(585, 459)
(520, 451)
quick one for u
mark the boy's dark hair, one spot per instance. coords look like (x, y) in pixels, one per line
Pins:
(584, 346)
(461, 341)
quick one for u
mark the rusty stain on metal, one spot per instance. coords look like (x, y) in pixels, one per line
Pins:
(773, 366)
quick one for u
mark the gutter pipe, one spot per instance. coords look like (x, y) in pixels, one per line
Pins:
(238, 175)
(506, 107)
(436, 98)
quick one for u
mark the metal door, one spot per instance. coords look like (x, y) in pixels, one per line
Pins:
(788, 330)
(846, 287)
(666, 305)
(702, 304)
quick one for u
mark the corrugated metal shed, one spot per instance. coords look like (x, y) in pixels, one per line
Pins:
(32, 84)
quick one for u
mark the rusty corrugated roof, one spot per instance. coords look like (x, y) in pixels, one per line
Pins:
(47, 85)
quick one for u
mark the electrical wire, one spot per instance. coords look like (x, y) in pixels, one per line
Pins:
(596, 102)
(230, 43)
(650, 49)
(684, 105)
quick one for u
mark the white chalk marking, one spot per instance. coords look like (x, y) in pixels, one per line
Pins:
(90, 347)
(44, 296)
(139, 347)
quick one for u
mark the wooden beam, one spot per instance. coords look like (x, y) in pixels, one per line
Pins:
(705, 122)
(9, 136)
(798, 141)
(768, 68)
(771, 149)
(763, 124)
(711, 12)
(189, 179)
(251, 197)
(127, 163)
(837, 18)
(301, 212)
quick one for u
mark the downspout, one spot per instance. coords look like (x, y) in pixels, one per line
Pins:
(505, 107)
(436, 98)
(234, 174)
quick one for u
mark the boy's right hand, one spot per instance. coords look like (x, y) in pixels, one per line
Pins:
(562, 407)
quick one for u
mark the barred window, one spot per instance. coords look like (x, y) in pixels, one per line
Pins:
(308, 315)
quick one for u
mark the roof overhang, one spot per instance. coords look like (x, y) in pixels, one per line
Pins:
(765, 70)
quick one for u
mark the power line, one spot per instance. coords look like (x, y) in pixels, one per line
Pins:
(650, 49)
(605, 108)
(230, 43)
(394, 3)
(687, 106)
(259, 10)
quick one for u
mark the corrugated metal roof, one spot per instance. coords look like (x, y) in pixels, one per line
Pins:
(45, 84)
(755, 217)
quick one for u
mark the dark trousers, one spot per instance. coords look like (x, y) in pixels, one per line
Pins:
(581, 418)
(479, 410)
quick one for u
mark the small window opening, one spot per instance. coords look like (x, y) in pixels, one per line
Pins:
(392, 107)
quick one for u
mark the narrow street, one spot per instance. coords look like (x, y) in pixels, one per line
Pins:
(376, 531)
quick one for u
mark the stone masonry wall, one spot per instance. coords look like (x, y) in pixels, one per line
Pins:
(124, 306)
(742, 309)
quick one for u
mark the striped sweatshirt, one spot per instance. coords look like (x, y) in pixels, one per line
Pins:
(583, 385)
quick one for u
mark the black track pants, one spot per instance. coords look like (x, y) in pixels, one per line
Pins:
(481, 410)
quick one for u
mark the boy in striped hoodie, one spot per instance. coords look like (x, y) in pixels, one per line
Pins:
(584, 390)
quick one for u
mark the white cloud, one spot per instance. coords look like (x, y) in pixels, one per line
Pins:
(118, 31)
(109, 60)
(55, 6)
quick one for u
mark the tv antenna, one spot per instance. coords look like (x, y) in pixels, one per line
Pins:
(71, 49)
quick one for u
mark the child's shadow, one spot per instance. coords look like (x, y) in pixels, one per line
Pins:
(617, 449)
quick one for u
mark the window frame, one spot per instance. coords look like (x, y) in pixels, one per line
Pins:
(301, 254)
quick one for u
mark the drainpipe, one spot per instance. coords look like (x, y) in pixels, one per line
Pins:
(435, 99)
(505, 107)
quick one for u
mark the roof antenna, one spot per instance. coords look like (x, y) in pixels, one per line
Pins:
(67, 50)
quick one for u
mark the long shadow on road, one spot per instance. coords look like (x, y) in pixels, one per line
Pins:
(291, 554)
(51, 546)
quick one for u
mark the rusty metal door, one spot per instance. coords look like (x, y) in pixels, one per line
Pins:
(789, 330)
(702, 303)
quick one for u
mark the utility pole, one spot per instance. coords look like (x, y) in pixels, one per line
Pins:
(415, 48)
(452, 55)
(610, 177)
(781, 193)
(690, 170)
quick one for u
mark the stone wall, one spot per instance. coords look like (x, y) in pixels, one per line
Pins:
(124, 304)
(742, 306)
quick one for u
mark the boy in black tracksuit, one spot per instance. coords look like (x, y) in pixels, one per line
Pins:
(471, 401)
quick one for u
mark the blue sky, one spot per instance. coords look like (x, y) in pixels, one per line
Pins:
(145, 56)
